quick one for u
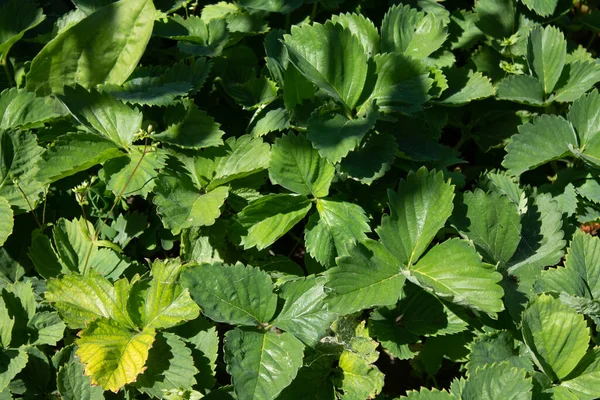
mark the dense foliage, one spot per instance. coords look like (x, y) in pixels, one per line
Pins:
(299, 199)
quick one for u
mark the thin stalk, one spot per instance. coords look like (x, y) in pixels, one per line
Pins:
(45, 202)
(313, 13)
(37, 220)
(10, 79)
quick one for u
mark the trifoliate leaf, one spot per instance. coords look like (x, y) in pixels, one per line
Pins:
(544, 8)
(454, 270)
(411, 32)
(12, 361)
(418, 211)
(585, 381)
(522, 89)
(466, 86)
(22, 109)
(492, 222)
(261, 364)
(335, 135)
(72, 153)
(170, 366)
(6, 220)
(270, 217)
(545, 139)
(113, 355)
(556, 334)
(74, 385)
(234, 294)
(297, 166)
(19, 153)
(116, 37)
(331, 57)
(496, 382)
(304, 313)
(372, 160)
(191, 129)
(336, 224)
(581, 76)
(363, 28)
(181, 205)
(546, 51)
(369, 275)
(135, 173)
(496, 18)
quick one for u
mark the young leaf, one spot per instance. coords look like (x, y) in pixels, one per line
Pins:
(369, 275)
(112, 354)
(336, 224)
(546, 51)
(6, 220)
(363, 28)
(261, 364)
(332, 58)
(418, 211)
(545, 139)
(74, 385)
(556, 334)
(270, 217)
(234, 294)
(296, 166)
(105, 47)
(454, 270)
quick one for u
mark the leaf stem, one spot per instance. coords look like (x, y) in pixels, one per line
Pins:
(10, 79)
(37, 220)
(313, 13)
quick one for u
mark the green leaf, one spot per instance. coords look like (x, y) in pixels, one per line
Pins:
(545, 8)
(261, 364)
(268, 218)
(466, 86)
(47, 328)
(418, 211)
(234, 294)
(334, 135)
(369, 275)
(115, 39)
(556, 334)
(363, 28)
(522, 89)
(7, 325)
(580, 77)
(19, 153)
(297, 166)
(304, 313)
(181, 205)
(22, 109)
(496, 382)
(372, 160)
(6, 220)
(336, 224)
(166, 303)
(296, 88)
(545, 139)
(74, 385)
(492, 222)
(269, 120)
(12, 361)
(279, 6)
(72, 153)
(497, 347)
(586, 377)
(16, 18)
(191, 128)
(496, 18)
(454, 270)
(331, 57)
(411, 32)
(584, 115)
(113, 356)
(103, 114)
(135, 173)
(82, 299)
(546, 51)
(170, 366)
(426, 394)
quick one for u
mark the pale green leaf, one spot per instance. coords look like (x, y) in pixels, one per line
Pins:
(331, 57)
(6, 220)
(336, 224)
(546, 51)
(72, 153)
(261, 364)
(411, 32)
(418, 210)
(544, 8)
(492, 222)
(579, 76)
(115, 39)
(19, 153)
(103, 114)
(113, 355)
(297, 166)
(369, 275)
(585, 378)
(16, 18)
(305, 313)
(191, 129)
(7, 325)
(557, 336)
(545, 139)
(335, 135)
(12, 361)
(268, 218)
(234, 294)
(497, 382)
(522, 89)
(74, 385)
(360, 379)
(170, 366)
(135, 173)
(363, 28)
(20, 108)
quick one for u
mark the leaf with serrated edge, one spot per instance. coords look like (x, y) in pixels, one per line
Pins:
(6, 220)
(135, 173)
(195, 130)
(546, 51)
(498, 381)
(74, 385)
(20, 108)
(582, 76)
(363, 28)
(585, 378)
(522, 89)
(545, 8)
(12, 361)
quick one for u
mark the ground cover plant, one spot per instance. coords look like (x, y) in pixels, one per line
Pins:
(301, 199)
